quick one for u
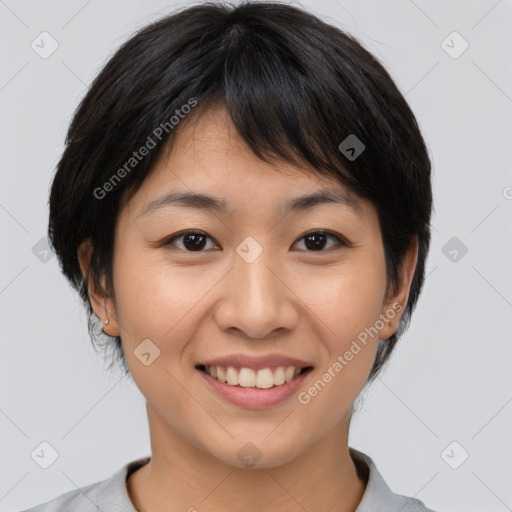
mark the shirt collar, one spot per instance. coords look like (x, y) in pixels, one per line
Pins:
(378, 495)
(113, 493)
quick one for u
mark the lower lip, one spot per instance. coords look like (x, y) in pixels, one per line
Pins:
(255, 398)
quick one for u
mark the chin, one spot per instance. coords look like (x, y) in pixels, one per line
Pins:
(255, 452)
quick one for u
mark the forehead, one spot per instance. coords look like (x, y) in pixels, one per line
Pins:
(208, 166)
(208, 143)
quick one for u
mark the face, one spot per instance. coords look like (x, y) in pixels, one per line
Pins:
(256, 284)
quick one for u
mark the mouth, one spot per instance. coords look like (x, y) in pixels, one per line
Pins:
(256, 378)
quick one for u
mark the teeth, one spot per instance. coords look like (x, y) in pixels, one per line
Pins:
(248, 378)
(279, 376)
(232, 376)
(221, 374)
(264, 378)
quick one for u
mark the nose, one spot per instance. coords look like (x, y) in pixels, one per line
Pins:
(256, 299)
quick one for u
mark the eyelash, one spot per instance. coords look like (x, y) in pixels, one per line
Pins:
(341, 242)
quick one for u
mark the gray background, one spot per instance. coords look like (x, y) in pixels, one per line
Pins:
(449, 379)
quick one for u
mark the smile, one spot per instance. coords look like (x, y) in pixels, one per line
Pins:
(254, 382)
(263, 378)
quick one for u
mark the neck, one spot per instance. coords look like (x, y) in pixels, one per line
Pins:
(181, 477)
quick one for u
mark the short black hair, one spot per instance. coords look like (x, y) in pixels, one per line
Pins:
(295, 88)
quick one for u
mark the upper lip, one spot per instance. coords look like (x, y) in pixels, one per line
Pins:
(256, 363)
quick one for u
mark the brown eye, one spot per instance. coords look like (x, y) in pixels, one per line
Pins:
(191, 241)
(316, 241)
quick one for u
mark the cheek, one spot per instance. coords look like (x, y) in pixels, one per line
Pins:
(348, 307)
(349, 300)
(152, 296)
(349, 304)
(153, 302)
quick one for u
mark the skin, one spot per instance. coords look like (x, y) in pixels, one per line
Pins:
(293, 300)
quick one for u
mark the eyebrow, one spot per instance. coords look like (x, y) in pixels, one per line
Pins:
(205, 202)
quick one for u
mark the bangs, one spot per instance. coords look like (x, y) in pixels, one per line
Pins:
(283, 106)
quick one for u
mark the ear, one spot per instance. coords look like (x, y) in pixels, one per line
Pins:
(394, 305)
(101, 302)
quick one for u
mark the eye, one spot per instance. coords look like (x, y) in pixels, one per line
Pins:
(193, 241)
(315, 241)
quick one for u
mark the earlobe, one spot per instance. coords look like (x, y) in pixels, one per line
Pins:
(101, 302)
(395, 305)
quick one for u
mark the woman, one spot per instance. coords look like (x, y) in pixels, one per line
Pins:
(244, 204)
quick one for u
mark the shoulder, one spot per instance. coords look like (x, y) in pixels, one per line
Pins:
(108, 495)
(378, 497)
(84, 500)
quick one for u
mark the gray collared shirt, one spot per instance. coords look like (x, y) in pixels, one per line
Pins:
(111, 495)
